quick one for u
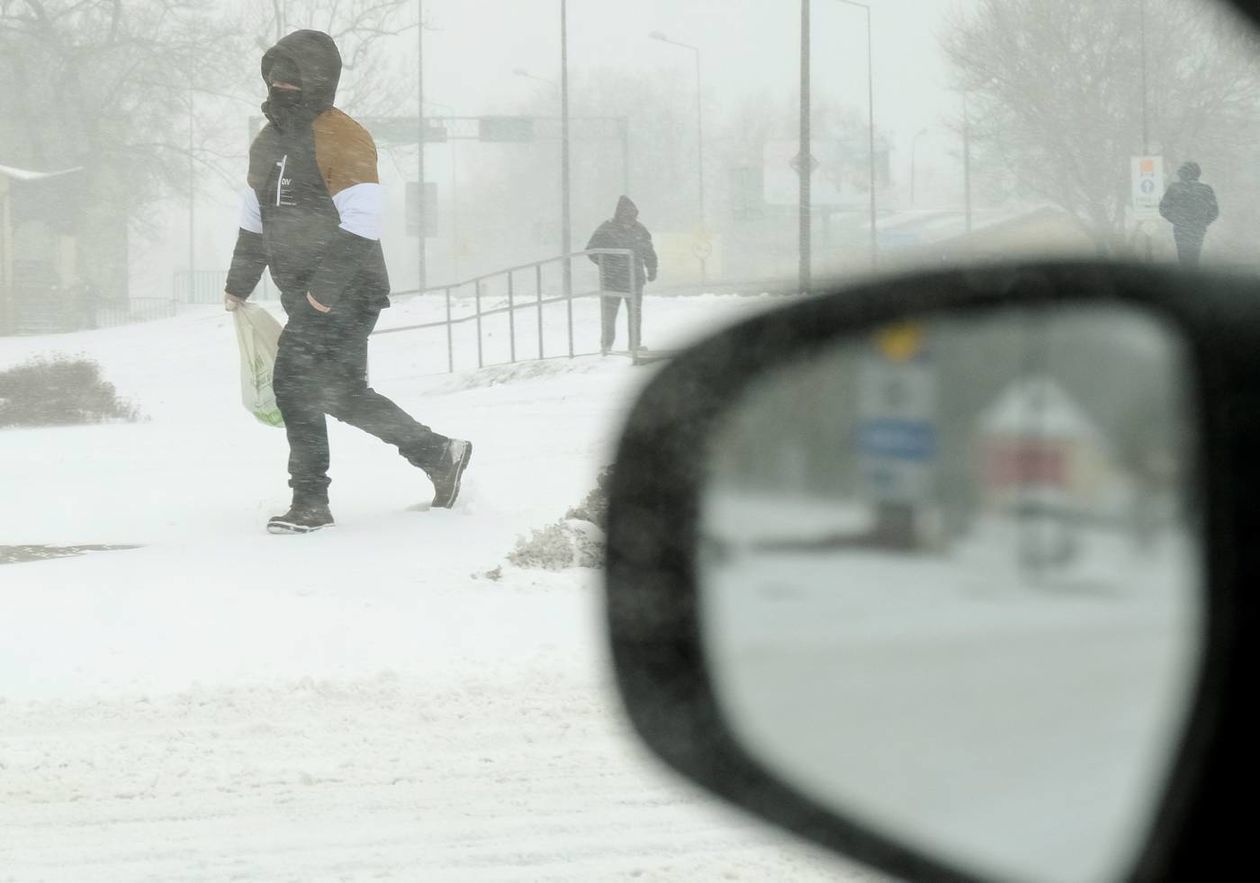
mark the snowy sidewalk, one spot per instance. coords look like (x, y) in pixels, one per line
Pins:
(362, 703)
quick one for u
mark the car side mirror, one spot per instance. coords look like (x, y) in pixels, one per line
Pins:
(946, 572)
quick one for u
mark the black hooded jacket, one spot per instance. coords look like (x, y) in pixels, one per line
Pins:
(312, 210)
(623, 230)
(1189, 206)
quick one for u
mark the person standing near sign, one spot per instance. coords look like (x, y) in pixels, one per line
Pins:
(1190, 206)
(312, 214)
(623, 230)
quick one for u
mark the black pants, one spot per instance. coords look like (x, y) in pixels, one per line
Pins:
(1189, 245)
(608, 309)
(321, 369)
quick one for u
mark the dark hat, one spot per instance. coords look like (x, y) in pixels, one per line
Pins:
(626, 210)
(316, 64)
(1189, 171)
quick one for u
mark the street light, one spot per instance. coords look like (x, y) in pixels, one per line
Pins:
(803, 164)
(660, 35)
(870, 121)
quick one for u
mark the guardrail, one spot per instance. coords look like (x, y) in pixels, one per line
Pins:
(500, 294)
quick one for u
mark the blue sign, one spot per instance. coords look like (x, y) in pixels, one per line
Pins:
(913, 440)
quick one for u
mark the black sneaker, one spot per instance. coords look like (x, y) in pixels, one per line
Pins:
(447, 474)
(301, 519)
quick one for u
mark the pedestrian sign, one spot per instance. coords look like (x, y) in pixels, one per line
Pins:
(1147, 177)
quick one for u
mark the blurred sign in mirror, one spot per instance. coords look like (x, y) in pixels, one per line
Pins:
(951, 582)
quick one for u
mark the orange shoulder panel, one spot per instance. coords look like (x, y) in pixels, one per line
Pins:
(344, 151)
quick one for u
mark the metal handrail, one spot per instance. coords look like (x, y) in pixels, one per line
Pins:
(518, 268)
(538, 302)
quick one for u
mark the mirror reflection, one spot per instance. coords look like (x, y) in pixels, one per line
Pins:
(951, 582)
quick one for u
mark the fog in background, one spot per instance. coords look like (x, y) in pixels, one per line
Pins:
(1050, 131)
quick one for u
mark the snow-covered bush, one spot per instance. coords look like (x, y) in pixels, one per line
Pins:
(563, 544)
(59, 392)
(575, 541)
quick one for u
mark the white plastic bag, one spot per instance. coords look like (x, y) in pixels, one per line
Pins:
(258, 333)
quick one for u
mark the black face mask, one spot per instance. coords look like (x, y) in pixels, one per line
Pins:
(286, 109)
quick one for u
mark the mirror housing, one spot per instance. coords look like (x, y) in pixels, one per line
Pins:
(652, 571)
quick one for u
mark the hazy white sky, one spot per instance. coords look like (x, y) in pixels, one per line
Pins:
(747, 47)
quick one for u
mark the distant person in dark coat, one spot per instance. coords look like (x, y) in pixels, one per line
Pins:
(1190, 206)
(623, 230)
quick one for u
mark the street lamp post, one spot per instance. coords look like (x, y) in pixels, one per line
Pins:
(192, 207)
(421, 250)
(1146, 132)
(966, 140)
(658, 35)
(566, 234)
(803, 159)
(870, 122)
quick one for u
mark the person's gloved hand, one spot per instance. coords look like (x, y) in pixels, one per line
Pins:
(231, 301)
(651, 275)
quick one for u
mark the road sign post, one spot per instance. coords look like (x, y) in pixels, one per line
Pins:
(1147, 185)
(897, 434)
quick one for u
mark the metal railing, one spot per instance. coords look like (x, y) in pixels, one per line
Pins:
(56, 312)
(478, 300)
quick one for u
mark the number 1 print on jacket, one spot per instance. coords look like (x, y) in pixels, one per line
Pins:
(312, 212)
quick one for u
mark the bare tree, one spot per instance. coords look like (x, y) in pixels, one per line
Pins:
(369, 35)
(107, 87)
(128, 92)
(1059, 97)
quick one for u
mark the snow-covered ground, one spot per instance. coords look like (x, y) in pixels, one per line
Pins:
(362, 703)
(1022, 722)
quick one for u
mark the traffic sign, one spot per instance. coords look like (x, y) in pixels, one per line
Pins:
(896, 436)
(1147, 183)
(402, 130)
(797, 164)
(501, 128)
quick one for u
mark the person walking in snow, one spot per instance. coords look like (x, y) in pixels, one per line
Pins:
(623, 230)
(1190, 206)
(312, 214)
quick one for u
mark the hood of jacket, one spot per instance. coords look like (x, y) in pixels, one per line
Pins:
(627, 212)
(318, 63)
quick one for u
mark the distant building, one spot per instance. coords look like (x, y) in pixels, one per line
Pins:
(40, 287)
(938, 236)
